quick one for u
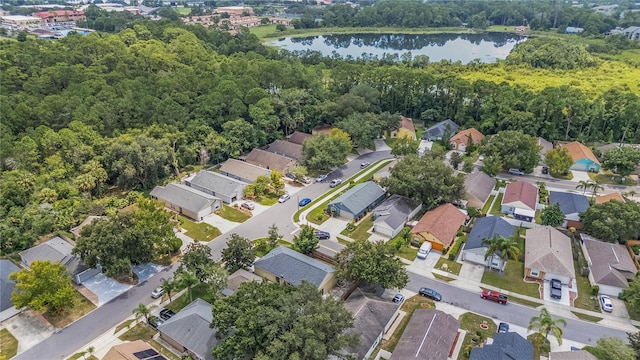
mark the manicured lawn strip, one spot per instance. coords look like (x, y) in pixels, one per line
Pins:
(263, 30)
(8, 344)
(495, 209)
(123, 325)
(487, 205)
(231, 214)
(200, 291)
(343, 241)
(511, 280)
(586, 317)
(609, 178)
(471, 323)
(401, 248)
(584, 300)
(82, 355)
(443, 278)
(409, 306)
(268, 200)
(360, 231)
(183, 11)
(199, 231)
(82, 307)
(142, 331)
(453, 267)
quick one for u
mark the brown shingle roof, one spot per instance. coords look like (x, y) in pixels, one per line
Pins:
(478, 186)
(578, 151)
(298, 137)
(616, 196)
(549, 250)
(610, 263)
(406, 123)
(523, 192)
(286, 148)
(442, 222)
(269, 160)
(463, 136)
(243, 169)
(429, 335)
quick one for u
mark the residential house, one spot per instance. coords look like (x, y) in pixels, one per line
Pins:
(405, 129)
(298, 137)
(614, 196)
(133, 350)
(572, 355)
(89, 219)
(270, 161)
(188, 331)
(632, 32)
(223, 187)
(286, 266)
(440, 130)
(186, 201)
(478, 187)
(520, 200)
(424, 147)
(548, 255)
(372, 318)
(355, 202)
(392, 214)
(56, 16)
(545, 146)
(505, 346)
(610, 265)
(327, 251)
(439, 226)
(486, 228)
(461, 140)
(286, 148)
(238, 278)
(429, 335)
(571, 206)
(58, 250)
(583, 157)
(242, 170)
(321, 129)
(6, 288)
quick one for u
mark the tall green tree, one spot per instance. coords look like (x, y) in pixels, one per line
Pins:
(306, 241)
(505, 247)
(552, 215)
(372, 263)
(558, 160)
(622, 160)
(611, 348)
(196, 258)
(545, 324)
(612, 221)
(187, 279)
(634, 342)
(515, 148)
(270, 321)
(404, 146)
(323, 152)
(168, 286)
(238, 254)
(45, 286)
(143, 311)
(584, 185)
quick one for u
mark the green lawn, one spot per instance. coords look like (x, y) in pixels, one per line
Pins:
(231, 214)
(442, 278)
(511, 280)
(359, 232)
(8, 344)
(609, 178)
(487, 205)
(125, 324)
(183, 11)
(343, 241)
(475, 334)
(198, 231)
(263, 30)
(495, 209)
(584, 299)
(268, 200)
(401, 248)
(453, 267)
(200, 291)
(586, 317)
(82, 307)
(262, 248)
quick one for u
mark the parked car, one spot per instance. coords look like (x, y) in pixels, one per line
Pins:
(545, 170)
(166, 314)
(424, 250)
(321, 178)
(323, 235)
(157, 292)
(290, 176)
(154, 322)
(503, 327)
(515, 171)
(494, 296)
(248, 205)
(304, 202)
(606, 303)
(556, 289)
(335, 182)
(398, 299)
(306, 180)
(364, 164)
(284, 198)
(430, 293)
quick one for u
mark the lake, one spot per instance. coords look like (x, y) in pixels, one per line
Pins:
(454, 47)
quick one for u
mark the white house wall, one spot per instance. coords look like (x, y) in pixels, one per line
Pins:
(613, 291)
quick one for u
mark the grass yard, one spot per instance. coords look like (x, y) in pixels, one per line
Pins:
(443, 278)
(401, 248)
(343, 241)
(231, 214)
(183, 11)
(487, 205)
(524, 302)
(8, 344)
(586, 317)
(262, 250)
(475, 334)
(263, 30)
(409, 306)
(143, 332)
(584, 299)
(83, 306)
(512, 280)
(359, 232)
(452, 266)
(199, 231)
(268, 200)
(200, 291)
(124, 325)
(609, 178)
(495, 209)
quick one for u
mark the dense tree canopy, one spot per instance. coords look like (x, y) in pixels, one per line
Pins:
(238, 254)
(372, 263)
(45, 286)
(551, 53)
(612, 221)
(515, 149)
(622, 160)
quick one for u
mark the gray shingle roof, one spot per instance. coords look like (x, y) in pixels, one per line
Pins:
(184, 196)
(286, 148)
(243, 169)
(439, 129)
(430, 334)
(299, 137)
(294, 267)
(478, 185)
(506, 346)
(217, 183)
(360, 197)
(190, 328)
(570, 203)
(549, 250)
(56, 250)
(269, 160)
(394, 211)
(610, 263)
(6, 285)
(486, 227)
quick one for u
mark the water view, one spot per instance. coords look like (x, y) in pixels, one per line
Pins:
(454, 47)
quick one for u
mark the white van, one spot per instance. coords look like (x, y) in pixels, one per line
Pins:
(424, 250)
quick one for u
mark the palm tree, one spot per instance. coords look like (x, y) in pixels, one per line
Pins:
(595, 186)
(584, 185)
(505, 247)
(142, 311)
(188, 280)
(545, 324)
(167, 286)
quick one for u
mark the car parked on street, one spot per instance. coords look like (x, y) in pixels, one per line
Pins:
(398, 299)
(154, 322)
(304, 202)
(494, 296)
(166, 314)
(430, 293)
(323, 235)
(335, 182)
(321, 178)
(249, 206)
(556, 289)
(364, 164)
(514, 171)
(157, 292)
(606, 303)
(284, 198)
(503, 327)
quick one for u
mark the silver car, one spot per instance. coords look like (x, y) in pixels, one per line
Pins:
(284, 198)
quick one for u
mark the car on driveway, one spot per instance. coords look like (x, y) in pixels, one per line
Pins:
(514, 171)
(321, 178)
(430, 293)
(248, 205)
(166, 314)
(284, 198)
(154, 322)
(335, 182)
(304, 202)
(503, 327)
(398, 299)
(556, 289)
(364, 164)
(494, 296)
(157, 292)
(606, 303)
(323, 235)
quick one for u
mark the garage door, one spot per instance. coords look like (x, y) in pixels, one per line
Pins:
(436, 246)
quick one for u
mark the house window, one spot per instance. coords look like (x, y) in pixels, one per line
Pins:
(534, 272)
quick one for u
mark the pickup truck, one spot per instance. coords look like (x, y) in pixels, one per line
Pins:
(494, 296)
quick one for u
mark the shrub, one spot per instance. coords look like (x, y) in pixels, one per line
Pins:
(595, 289)
(455, 249)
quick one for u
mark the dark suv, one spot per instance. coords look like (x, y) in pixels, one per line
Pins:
(154, 322)
(556, 289)
(166, 314)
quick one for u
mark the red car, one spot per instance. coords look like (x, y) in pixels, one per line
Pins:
(494, 296)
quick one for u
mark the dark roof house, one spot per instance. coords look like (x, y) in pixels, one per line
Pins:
(286, 148)
(485, 228)
(357, 200)
(226, 188)
(271, 161)
(56, 250)
(299, 137)
(6, 285)
(189, 331)
(186, 200)
(571, 206)
(392, 214)
(611, 267)
(505, 346)
(242, 170)
(238, 278)
(429, 335)
(478, 187)
(437, 131)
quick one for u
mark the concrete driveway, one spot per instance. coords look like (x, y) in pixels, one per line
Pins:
(424, 266)
(28, 329)
(580, 176)
(471, 271)
(106, 289)
(333, 226)
(565, 300)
